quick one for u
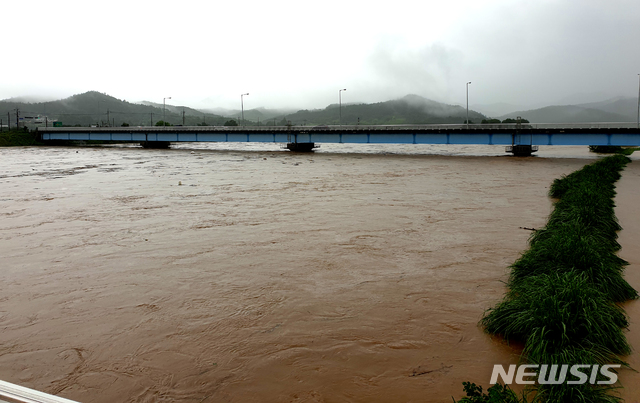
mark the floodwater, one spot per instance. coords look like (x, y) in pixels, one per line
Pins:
(240, 273)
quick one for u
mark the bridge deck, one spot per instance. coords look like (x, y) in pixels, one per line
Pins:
(621, 134)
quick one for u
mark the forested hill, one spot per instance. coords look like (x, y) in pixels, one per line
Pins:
(95, 108)
(411, 109)
(613, 110)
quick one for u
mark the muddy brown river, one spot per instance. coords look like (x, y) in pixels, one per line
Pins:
(244, 273)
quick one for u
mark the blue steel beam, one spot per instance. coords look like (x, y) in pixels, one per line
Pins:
(589, 134)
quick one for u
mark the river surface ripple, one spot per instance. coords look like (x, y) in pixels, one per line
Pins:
(209, 273)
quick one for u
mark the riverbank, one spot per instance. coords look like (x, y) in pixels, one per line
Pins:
(18, 138)
(565, 290)
(223, 275)
(628, 213)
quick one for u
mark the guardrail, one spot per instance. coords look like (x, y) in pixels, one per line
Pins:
(11, 393)
(370, 128)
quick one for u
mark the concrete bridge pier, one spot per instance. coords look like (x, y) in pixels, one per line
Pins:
(521, 150)
(301, 147)
(519, 146)
(155, 144)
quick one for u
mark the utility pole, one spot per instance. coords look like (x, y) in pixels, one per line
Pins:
(182, 116)
(468, 104)
(242, 106)
(340, 102)
(151, 119)
(18, 119)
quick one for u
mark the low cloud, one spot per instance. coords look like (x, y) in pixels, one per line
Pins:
(394, 69)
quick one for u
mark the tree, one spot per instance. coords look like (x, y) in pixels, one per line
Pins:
(231, 123)
(490, 121)
(510, 120)
(163, 123)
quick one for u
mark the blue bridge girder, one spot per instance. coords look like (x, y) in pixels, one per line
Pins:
(618, 134)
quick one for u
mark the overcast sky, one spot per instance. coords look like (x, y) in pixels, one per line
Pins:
(299, 54)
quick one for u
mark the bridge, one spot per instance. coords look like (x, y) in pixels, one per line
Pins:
(521, 139)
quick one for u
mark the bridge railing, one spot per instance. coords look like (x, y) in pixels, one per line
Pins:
(11, 393)
(329, 128)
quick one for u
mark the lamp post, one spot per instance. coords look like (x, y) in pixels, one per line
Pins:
(340, 104)
(164, 110)
(242, 106)
(468, 104)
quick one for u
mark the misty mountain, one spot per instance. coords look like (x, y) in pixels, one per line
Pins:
(626, 107)
(411, 109)
(582, 98)
(569, 114)
(95, 108)
(497, 109)
(29, 99)
(178, 109)
(254, 115)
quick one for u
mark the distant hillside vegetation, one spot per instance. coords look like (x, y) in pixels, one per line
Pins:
(626, 107)
(411, 109)
(95, 108)
(614, 110)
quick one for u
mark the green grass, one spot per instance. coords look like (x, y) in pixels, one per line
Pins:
(564, 291)
(495, 394)
(562, 319)
(629, 150)
(576, 393)
(613, 150)
(581, 233)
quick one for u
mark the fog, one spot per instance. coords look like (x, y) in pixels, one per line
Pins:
(290, 54)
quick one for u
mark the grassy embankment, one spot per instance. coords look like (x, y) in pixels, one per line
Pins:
(18, 138)
(563, 293)
(613, 149)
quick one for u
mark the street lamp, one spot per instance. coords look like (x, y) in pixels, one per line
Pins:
(468, 104)
(164, 110)
(242, 106)
(340, 103)
(638, 122)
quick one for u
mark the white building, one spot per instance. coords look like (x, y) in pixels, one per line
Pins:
(32, 121)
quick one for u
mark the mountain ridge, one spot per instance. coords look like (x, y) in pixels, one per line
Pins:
(96, 108)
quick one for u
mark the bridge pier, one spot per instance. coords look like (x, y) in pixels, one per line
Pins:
(521, 150)
(155, 144)
(301, 147)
